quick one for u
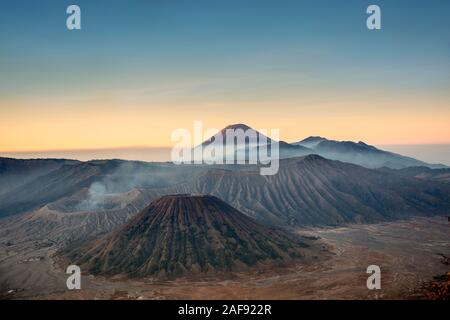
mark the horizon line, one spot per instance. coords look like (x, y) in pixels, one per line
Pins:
(169, 147)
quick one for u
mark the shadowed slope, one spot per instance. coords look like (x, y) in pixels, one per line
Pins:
(316, 191)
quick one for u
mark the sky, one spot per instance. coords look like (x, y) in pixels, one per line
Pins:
(138, 70)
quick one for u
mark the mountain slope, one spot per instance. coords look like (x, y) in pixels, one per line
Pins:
(111, 176)
(315, 191)
(183, 234)
(306, 191)
(17, 172)
(58, 183)
(425, 173)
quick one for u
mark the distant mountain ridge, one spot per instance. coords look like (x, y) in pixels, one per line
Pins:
(286, 150)
(358, 153)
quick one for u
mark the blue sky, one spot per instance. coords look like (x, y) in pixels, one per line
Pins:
(240, 61)
(172, 40)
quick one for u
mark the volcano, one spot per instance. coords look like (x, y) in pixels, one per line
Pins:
(184, 234)
(314, 191)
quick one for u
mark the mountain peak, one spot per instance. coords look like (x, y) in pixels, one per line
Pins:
(313, 138)
(237, 126)
(311, 141)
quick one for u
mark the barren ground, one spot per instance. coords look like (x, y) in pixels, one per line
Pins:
(407, 252)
